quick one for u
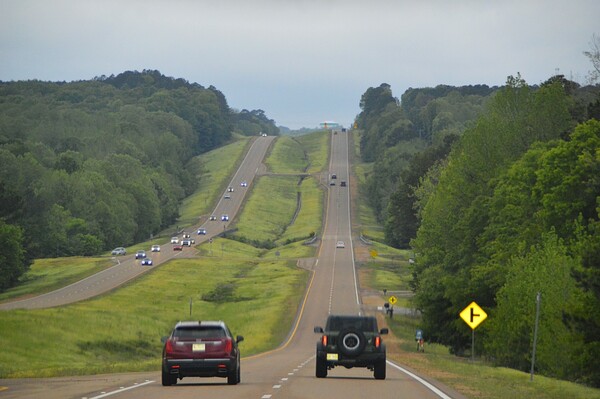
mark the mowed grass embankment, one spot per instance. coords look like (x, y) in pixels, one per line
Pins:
(286, 206)
(122, 331)
(214, 170)
(46, 275)
(304, 154)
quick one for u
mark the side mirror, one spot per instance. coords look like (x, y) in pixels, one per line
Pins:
(318, 330)
(384, 331)
(238, 339)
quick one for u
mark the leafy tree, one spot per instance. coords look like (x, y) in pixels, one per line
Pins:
(455, 215)
(92, 164)
(402, 222)
(547, 269)
(12, 258)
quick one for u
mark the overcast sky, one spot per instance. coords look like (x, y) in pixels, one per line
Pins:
(301, 61)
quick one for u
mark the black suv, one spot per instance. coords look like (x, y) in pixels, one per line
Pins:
(201, 349)
(351, 341)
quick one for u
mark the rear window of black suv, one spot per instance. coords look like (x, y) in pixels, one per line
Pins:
(357, 323)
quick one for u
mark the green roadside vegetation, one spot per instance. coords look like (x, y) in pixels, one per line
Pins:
(213, 170)
(121, 331)
(49, 274)
(390, 269)
(369, 228)
(303, 154)
(255, 290)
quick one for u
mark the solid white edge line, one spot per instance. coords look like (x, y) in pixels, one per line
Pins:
(422, 381)
(348, 172)
(414, 376)
(121, 390)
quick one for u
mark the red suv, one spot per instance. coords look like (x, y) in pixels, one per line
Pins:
(201, 349)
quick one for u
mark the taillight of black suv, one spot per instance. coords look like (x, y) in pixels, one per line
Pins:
(201, 349)
(351, 341)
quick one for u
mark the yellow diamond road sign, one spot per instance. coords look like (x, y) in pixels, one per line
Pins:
(473, 315)
(392, 300)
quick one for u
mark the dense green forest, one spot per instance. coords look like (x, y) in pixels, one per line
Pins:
(497, 192)
(90, 165)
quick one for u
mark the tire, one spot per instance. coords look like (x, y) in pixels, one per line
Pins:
(351, 342)
(321, 368)
(168, 379)
(379, 370)
(232, 377)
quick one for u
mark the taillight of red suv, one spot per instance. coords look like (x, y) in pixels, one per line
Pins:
(228, 345)
(168, 347)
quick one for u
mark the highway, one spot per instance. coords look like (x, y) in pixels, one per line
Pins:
(289, 371)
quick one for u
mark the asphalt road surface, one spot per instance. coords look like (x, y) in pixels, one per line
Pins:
(289, 371)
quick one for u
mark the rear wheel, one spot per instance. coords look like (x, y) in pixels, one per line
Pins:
(321, 368)
(232, 377)
(379, 370)
(168, 379)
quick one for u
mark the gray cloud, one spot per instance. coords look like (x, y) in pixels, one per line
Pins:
(300, 61)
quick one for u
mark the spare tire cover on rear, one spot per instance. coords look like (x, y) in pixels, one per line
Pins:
(351, 342)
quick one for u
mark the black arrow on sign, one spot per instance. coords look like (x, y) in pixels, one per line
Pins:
(473, 315)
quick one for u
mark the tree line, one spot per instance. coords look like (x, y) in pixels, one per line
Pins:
(90, 165)
(497, 192)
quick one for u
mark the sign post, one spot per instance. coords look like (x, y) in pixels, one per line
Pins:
(473, 315)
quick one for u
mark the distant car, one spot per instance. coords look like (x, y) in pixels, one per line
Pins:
(213, 217)
(155, 248)
(146, 262)
(230, 189)
(201, 349)
(333, 176)
(340, 244)
(186, 235)
(332, 183)
(186, 242)
(119, 251)
(343, 183)
(244, 184)
(264, 134)
(141, 254)
(225, 217)
(227, 196)
(202, 231)
(174, 240)
(177, 247)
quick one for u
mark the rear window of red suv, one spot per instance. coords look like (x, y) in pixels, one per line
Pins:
(199, 332)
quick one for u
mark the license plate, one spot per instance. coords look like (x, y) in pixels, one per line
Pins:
(332, 356)
(198, 347)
